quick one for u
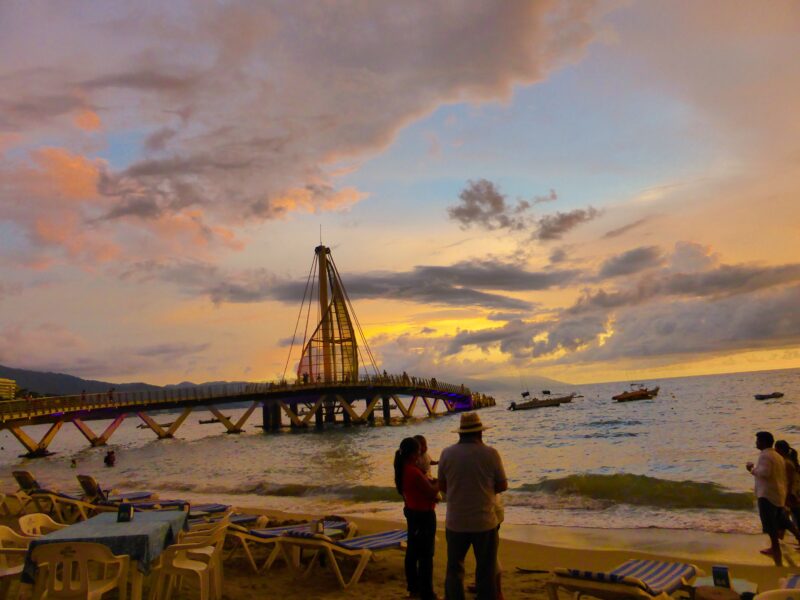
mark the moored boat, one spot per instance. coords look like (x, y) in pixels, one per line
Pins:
(640, 393)
(769, 396)
(536, 403)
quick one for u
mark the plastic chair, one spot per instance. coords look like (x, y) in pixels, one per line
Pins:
(197, 558)
(37, 524)
(64, 571)
(13, 548)
(13, 504)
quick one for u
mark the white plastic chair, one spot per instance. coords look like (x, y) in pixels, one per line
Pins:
(13, 548)
(196, 556)
(65, 571)
(37, 524)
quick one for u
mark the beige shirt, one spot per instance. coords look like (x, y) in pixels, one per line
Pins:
(469, 472)
(770, 477)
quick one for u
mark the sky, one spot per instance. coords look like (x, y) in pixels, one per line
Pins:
(587, 191)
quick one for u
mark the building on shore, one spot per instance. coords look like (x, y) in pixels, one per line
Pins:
(7, 389)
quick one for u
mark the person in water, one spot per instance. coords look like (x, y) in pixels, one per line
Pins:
(419, 496)
(110, 459)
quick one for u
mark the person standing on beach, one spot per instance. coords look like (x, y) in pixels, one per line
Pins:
(419, 495)
(771, 487)
(789, 455)
(471, 474)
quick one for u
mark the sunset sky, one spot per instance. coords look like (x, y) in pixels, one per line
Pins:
(587, 191)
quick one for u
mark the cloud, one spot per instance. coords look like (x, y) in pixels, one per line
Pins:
(483, 205)
(470, 283)
(625, 228)
(554, 227)
(171, 351)
(632, 261)
(253, 106)
(551, 197)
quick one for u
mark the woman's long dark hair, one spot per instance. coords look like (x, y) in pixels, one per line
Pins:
(407, 448)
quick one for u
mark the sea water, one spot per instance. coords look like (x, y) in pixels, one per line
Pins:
(676, 461)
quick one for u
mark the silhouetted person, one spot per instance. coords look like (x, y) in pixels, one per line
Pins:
(110, 459)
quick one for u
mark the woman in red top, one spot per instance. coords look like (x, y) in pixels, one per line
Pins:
(419, 494)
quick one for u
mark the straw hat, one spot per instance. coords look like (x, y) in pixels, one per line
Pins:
(471, 423)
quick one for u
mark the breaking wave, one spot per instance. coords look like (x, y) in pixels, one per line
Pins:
(641, 490)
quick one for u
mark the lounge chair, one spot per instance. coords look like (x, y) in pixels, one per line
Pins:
(361, 548)
(634, 579)
(93, 493)
(65, 509)
(28, 484)
(267, 538)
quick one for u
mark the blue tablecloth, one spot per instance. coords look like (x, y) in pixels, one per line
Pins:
(143, 538)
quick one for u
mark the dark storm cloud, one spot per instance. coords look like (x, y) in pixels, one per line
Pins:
(632, 261)
(483, 205)
(724, 280)
(553, 227)
(462, 284)
(158, 139)
(764, 319)
(551, 197)
(558, 255)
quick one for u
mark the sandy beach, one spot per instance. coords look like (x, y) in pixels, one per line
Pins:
(534, 548)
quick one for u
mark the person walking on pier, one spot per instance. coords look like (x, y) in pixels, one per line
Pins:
(419, 495)
(470, 475)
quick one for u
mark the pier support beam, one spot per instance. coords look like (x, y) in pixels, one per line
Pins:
(330, 412)
(387, 411)
(347, 419)
(154, 427)
(36, 449)
(102, 439)
(275, 420)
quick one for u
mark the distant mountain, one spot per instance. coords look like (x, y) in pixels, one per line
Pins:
(58, 384)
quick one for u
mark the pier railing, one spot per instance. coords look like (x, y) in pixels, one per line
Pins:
(57, 405)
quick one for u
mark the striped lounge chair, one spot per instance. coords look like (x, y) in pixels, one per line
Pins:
(789, 590)
(336, 552)
(634, 579)
(267, 538)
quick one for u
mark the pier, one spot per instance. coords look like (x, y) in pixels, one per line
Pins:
(329, 388)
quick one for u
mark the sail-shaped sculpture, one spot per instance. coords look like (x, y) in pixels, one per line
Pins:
(331, 353)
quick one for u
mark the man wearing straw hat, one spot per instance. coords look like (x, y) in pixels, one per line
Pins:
(471, 474)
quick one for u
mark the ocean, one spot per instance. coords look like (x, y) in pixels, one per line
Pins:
(674, 462)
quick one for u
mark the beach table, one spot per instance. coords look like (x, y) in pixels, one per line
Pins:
(143, 538)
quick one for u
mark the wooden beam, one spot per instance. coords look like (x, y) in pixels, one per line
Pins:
(402, 408)
(51, 433)
(86, 431)
(354, 417)
(224, 420)
(179, 421)
(370, 407)
(24, 439)
(291, 414)
(157, 429)
(243, 419)
(314, 409)
(106, 435)
(427, 405)
(412, 405)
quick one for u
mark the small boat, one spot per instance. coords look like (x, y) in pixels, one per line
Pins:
(769, 396)
(209, 421)
(536, 403)
(638, 393)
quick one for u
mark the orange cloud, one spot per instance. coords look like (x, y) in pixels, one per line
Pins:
(70, 175)
(88, 120)
(309, 199)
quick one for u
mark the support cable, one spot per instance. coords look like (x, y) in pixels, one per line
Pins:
(372, 361)
(297, 323)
